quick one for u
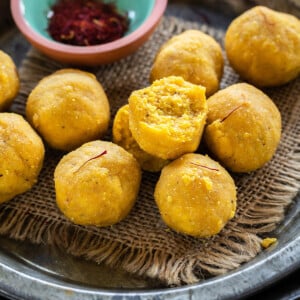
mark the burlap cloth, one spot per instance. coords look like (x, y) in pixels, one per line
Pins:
(142, 244)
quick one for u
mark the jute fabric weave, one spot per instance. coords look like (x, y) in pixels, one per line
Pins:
(142, 244)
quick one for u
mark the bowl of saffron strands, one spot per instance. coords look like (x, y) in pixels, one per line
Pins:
(87, 32)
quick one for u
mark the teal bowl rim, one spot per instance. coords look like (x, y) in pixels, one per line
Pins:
(35, 37)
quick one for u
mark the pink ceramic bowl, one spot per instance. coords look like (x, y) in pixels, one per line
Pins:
(30, 17)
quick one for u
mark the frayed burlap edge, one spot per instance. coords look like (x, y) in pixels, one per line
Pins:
(266, 214)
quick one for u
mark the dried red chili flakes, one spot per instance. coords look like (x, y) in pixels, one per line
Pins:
(86, 22)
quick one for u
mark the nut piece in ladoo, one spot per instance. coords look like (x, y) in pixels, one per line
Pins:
(243, 127)
(167, 118)
(123, 137)
(263, 46)
(9, 81)
(195, 195)
(97, 184)
(193, 55)
(21, 155)
(68, 108)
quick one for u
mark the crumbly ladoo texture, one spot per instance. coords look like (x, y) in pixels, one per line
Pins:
(167, 118)
(195, 195)
(123, 137)
(263, 46)
(68, 108)
(21, 156)
(243, 127)
(97, 184)
(9, 81)
(193, 55)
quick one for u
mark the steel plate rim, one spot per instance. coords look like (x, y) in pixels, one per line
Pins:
(212, 288)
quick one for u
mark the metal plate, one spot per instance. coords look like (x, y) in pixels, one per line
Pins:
(30, 271)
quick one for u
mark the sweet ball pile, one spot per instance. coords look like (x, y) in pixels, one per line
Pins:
(158, 130)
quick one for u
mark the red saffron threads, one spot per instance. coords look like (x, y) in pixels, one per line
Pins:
(95, 157)
(205, 167)
(86, 22)
(231, 112)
